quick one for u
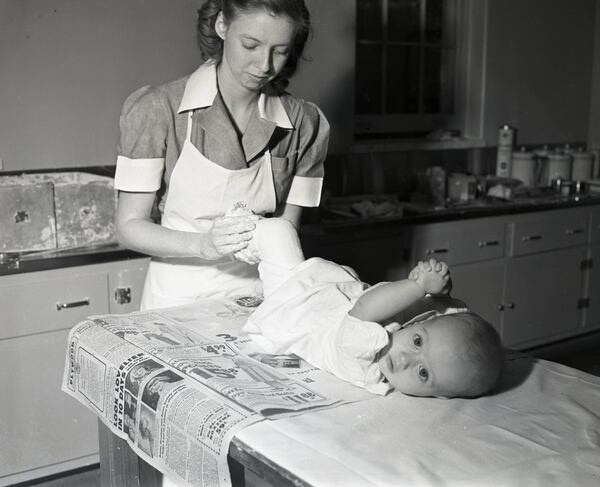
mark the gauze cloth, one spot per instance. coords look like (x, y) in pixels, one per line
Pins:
(307, 314)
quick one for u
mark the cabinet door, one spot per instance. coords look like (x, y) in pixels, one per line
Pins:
(541, 297)
(41, 426)
(480, 287)
(592, 313)
(595, 225)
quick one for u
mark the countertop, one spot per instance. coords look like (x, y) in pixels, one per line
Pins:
(56, 259)
(325, 230)
(418, 214)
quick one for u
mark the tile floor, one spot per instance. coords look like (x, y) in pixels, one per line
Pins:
(583, 354)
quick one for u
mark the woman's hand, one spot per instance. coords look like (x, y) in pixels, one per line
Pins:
(229, 234)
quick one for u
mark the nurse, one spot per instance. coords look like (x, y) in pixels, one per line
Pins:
(190, 149)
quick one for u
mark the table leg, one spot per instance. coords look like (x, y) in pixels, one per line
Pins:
(120, 466)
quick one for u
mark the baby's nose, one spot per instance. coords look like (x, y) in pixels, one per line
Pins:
(405, 360)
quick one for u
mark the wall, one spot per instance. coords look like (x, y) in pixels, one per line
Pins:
(539, 69)
(328, 77)
(67, 66)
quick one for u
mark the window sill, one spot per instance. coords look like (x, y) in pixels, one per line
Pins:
(422, 144)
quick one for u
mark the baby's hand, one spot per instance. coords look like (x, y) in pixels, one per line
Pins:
(432, 276)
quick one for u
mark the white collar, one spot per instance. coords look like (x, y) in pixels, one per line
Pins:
(201, 90)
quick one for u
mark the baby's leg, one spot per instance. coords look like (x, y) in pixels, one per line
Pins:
(278, 246)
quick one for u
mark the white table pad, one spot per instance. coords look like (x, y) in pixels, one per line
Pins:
(542, 428)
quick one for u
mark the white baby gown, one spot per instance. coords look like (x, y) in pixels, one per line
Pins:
(307, 314)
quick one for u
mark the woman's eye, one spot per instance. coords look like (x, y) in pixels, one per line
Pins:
(282, 52)
(249, 46)
(423, 374)
(417, 341)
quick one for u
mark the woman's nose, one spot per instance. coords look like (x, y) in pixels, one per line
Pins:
(265, 61)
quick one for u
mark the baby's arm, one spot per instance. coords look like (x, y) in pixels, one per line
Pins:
(389, 299)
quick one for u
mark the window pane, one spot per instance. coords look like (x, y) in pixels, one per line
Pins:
(404, 20)
(368, 20)
(433, 81)
(368, 84)
(402, 79)
(434, 20)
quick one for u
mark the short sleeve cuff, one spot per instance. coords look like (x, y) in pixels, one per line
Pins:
(139, 175)
(305, 191)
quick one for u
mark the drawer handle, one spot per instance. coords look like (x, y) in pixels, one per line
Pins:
(73, 304)
(489, 243)
(528, 238)
(574, 231)
(436, 251)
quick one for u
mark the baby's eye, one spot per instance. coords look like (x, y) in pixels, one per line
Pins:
(423, 374)
(417, 341)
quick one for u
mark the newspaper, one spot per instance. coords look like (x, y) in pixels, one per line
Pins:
(178, 384)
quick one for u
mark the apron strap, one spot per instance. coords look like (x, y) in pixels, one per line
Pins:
(188, 135)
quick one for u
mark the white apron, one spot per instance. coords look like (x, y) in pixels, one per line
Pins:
(199, 191)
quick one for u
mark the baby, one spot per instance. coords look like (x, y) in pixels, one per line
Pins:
(323, 313)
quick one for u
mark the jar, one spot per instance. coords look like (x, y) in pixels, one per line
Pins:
(559, 166)
(523, 167)
(583, 165)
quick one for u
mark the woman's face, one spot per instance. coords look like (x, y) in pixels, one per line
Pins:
(255, 48)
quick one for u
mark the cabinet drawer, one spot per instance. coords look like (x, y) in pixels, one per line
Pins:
(460, 242)
(549, 230)
(48, 301)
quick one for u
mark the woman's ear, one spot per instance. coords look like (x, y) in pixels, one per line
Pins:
(221, 25)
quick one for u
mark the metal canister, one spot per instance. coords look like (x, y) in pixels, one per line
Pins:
(523, 167)
(583, 165)
(559, 166)
(506, 135)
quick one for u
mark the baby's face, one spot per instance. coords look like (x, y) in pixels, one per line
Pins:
(421, 360)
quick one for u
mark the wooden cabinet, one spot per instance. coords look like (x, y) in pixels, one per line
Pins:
(592, 296)
(481, 286)
(540, 232)
(474, 249)
(459, 242)
(541, 297)
(531, 275)
(43, 430)
(591, 301)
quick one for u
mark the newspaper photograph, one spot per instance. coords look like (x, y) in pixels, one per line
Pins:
(178, 384)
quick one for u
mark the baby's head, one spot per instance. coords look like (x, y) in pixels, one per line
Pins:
(455, 355)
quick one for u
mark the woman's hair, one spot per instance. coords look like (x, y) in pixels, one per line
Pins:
(211, 45)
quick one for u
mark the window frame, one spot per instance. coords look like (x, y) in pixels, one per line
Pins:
(469, 19)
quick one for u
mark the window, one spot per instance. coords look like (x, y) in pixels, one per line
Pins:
(406, 58)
